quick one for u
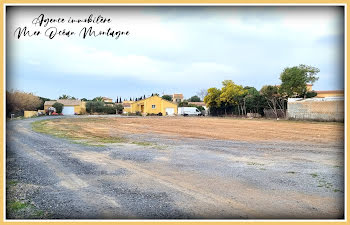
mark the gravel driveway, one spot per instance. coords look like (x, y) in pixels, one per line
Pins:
(176, 178)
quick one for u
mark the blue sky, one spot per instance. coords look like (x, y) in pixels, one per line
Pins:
(174, 50)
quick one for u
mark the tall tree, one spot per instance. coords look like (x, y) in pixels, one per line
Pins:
(295, 79)
(274, 99)
(98, 99)
(64, 97)
(194, 98)
(167, 97)
(212, 99)
(232, 94)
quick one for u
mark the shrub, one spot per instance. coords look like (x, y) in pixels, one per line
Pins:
(310, 94)
(17, 102)
(109, 110)
(58, 106)
(94, 106)
(119, 108)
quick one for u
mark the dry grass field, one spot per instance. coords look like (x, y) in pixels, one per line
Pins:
(194, 127)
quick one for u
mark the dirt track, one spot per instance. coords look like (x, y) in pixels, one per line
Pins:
(180, 168)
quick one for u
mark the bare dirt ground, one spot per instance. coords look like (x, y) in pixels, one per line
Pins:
(175, 168)
(210, 128)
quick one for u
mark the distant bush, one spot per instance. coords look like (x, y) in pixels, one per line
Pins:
(138, 113)
(58, 106)
(310, 94)
(167, 97)
(194, 99)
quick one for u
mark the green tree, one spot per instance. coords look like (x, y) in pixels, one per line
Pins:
(254, 101)
(294, 80)
(212, 99)
(94, 106)
(232, 94)
(58, 106)
(67, 97)
(183, 104)
(194, 98)
(99, 99)
(43, 100)
(167, 97)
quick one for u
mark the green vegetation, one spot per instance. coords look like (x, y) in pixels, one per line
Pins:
(291, 172)
(58, 106)
(20, 209)
(235, 99)
(314, 175)
(194, 98)
(70, 132)
(323, 183)
(167, 97)
(67, 97)
(142, 143)
(16, 205)
(97, 106)
(295, 79)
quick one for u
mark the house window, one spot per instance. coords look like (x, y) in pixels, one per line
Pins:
(153, 106)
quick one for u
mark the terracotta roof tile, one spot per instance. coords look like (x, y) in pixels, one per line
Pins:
(64, 102)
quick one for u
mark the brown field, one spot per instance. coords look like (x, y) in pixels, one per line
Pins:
(194, 127)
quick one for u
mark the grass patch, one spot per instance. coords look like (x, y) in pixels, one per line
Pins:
(87, 144)
(314, 175)
(337, 166)
(11, 183)
(142, 143)
(17, 205)
(72, 132)
(84, 132)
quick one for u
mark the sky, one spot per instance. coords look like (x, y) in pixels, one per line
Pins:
(171, 49)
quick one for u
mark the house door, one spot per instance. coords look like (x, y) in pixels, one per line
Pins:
(142, 108)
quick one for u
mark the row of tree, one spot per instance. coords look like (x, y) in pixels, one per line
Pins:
(238, 100)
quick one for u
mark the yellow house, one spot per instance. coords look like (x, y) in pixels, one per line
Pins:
(105, 99)
(127, 106)
(333, 93)
(70, 107)
(151, 105)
